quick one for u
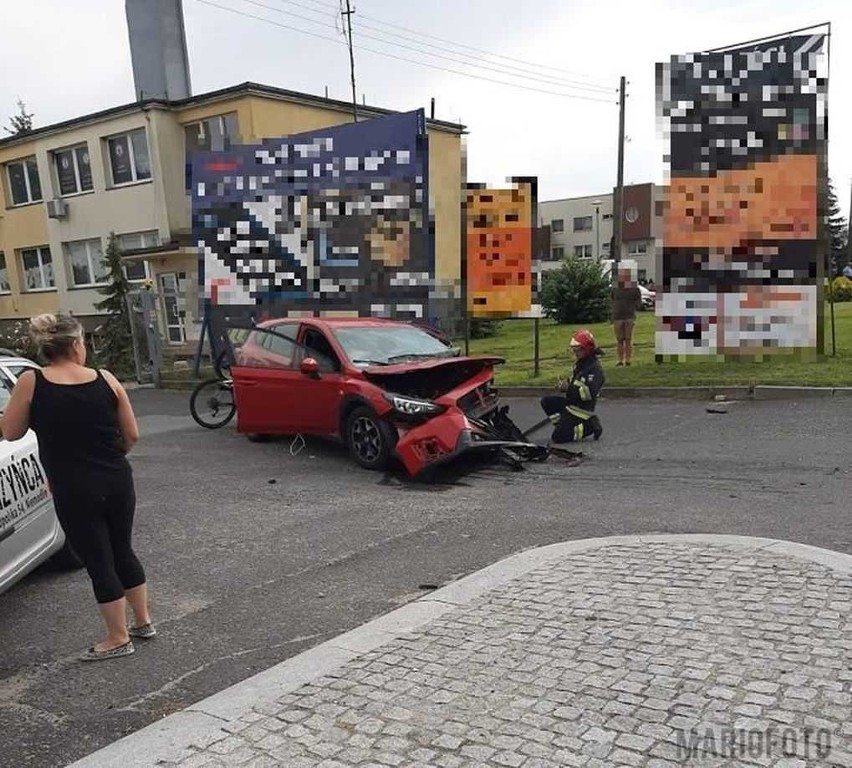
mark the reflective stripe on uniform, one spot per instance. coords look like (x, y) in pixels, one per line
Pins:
(579, 412)
(554, 417)
(578, 432)
(585, 392)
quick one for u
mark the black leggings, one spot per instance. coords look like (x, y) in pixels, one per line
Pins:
(97, 517)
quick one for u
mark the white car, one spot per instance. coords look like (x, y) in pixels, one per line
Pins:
(29, 530)
(648, 297)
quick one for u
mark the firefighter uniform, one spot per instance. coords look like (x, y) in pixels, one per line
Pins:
(572, 413)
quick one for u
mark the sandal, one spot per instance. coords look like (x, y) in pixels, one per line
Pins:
(92, 654)
(145, 631)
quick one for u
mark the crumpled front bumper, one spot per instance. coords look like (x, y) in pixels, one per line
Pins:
(446, 437)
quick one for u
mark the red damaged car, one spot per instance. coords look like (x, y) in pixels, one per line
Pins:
(387, 389)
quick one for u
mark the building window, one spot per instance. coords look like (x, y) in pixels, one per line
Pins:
(128, 158)
(607, 216)
(73, 170)
(4, 275)
(86, 261)
(215, 133)
(605, 247)
(582, 223)
(24, 183)
(134, 241)
(637, 249)
(37, 268)
(557, 225)
(558, 252)
(583, 251)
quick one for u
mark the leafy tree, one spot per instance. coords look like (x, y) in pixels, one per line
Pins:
(837, 233)
(116, 340)
(22, 123)
(575, 292)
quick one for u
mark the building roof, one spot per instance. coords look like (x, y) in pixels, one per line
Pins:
(243, 89)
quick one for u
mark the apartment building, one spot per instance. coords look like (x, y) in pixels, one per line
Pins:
(65, 187)
(582, 227)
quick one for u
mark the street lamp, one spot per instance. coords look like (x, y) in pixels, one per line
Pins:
(597, 204)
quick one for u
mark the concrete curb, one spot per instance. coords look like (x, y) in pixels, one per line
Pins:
(170, 739)
(758, 392)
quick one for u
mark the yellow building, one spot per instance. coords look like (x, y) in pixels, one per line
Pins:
(66, 186)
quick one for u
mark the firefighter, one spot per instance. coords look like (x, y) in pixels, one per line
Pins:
(572, 413)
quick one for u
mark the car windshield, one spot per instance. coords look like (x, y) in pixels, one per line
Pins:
(382, 345)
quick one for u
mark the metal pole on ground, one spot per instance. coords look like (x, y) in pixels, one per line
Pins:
(535, 348)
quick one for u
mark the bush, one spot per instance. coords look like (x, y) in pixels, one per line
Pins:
(842, 289)
(576, 292)
(15, 337)
(483, 328)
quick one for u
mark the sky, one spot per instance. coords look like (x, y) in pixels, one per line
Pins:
(67, 59)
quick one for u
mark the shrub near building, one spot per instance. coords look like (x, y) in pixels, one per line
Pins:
(575, 292)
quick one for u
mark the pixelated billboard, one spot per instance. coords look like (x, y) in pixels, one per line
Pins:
(499, 231)
(741, 262)
(331, 221)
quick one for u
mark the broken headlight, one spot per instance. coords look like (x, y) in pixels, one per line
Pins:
(413, 406)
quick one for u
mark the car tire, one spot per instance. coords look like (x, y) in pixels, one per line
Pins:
(370, 438)
(66, 559)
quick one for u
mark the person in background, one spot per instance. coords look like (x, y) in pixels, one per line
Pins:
(626, 299)
(85, 426)
(847, 271)
(572, 413)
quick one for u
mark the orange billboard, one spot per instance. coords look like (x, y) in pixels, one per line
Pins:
(499, 227)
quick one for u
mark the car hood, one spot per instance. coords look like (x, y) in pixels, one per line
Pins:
(429, 378)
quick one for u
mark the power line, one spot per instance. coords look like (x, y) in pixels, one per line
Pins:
(402, 58)
(590, 78)
(559, 83)
(593, 85)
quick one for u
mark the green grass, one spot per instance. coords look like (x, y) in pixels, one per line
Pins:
(515, 343)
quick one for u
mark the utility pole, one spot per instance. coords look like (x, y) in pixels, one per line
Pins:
(618, 208)
(348, 14)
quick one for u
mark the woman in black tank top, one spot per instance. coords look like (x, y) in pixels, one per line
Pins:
(85, 426)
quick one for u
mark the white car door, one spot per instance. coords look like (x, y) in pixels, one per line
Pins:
(29, 530)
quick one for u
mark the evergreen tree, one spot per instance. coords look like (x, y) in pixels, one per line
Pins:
(116, 339)
(837, 233)
(22, 123)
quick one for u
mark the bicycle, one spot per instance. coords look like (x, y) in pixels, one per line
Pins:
(212, 403)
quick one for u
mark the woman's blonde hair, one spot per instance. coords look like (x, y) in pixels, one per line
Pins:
(54, 335)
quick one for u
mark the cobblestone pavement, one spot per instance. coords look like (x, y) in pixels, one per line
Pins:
(633, 654)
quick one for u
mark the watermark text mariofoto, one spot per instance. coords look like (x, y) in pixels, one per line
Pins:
(726, 741)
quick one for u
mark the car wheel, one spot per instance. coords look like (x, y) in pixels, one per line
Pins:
(370, 438)
(67, 559)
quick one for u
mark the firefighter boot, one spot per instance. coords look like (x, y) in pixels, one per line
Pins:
(594, 424)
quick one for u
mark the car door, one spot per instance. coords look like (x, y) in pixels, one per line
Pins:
(29, 530)
(319, 397)
(265, 382)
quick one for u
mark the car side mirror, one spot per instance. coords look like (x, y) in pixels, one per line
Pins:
(310, 367)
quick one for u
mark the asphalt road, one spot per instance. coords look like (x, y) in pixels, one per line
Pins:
(254, 554)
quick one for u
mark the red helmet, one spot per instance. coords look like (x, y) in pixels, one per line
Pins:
(585, 341)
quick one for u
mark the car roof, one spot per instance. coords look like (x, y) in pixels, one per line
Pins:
(15, 359)
(336, 322)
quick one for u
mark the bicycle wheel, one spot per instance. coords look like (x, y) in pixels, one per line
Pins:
(212, 403)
